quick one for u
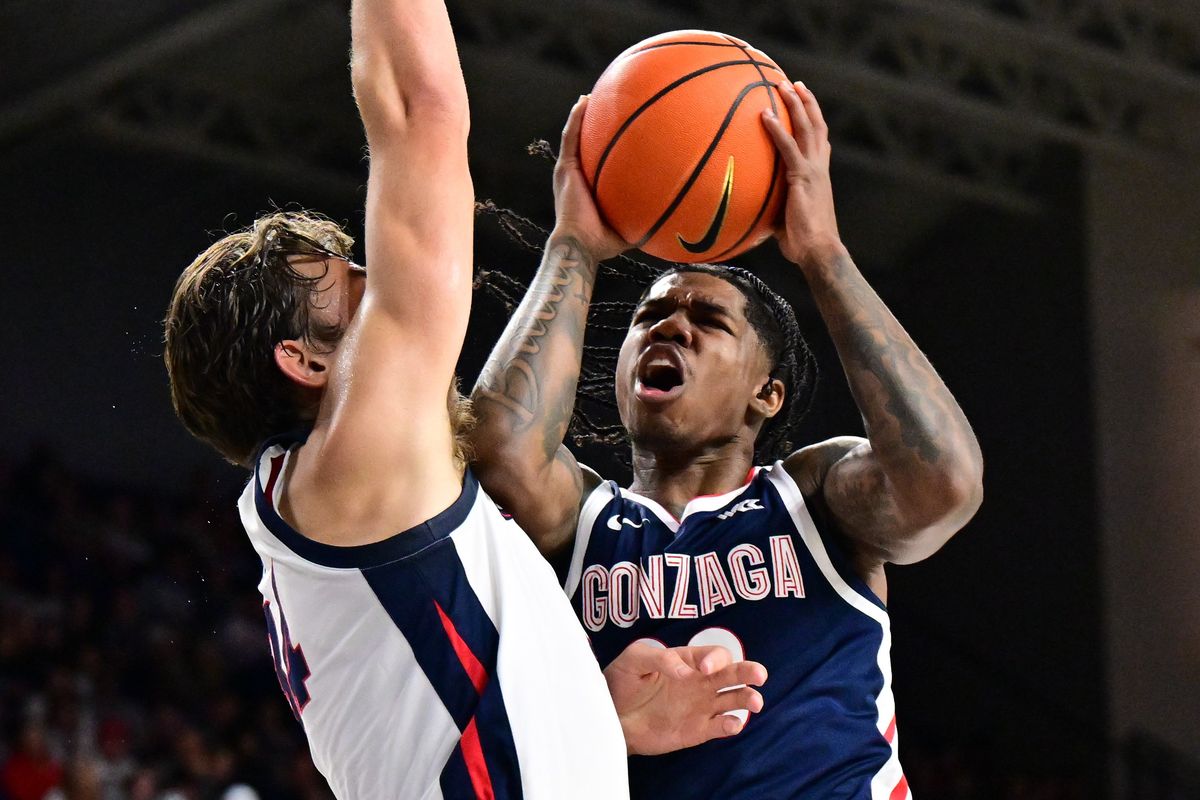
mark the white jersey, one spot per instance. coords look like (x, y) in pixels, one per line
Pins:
(443, 662)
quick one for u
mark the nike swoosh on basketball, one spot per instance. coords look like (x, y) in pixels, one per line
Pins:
(709, 238)
(616, 521)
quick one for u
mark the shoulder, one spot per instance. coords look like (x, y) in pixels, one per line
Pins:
(810, 465)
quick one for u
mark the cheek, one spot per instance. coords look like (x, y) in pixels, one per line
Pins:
(625, 364)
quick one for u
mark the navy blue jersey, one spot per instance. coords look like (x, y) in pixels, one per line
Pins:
(753, 571)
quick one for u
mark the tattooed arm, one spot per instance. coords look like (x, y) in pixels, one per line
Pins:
(902, 493)
(526, 393)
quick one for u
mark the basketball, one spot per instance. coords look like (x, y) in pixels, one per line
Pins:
(674, 148)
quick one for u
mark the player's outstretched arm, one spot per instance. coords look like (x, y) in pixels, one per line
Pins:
(669, 699)
(525, 394)
(391, 380)
(918, 479)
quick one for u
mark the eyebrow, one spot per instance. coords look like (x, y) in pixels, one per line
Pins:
(711, 307)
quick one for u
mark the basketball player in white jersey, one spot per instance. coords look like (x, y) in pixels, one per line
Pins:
(418, 636)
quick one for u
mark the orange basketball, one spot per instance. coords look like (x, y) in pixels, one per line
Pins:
(674, 147)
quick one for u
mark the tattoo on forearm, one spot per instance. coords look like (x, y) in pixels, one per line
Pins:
(904, 402)
(530, 374)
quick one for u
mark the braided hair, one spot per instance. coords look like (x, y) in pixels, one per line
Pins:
(595, 419)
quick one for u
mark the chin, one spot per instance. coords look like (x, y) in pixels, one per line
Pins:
(656, 432)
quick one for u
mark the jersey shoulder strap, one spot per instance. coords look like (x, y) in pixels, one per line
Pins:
(589, 512)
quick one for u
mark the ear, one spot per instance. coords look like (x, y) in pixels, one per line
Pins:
(769, 399)
(303, 367)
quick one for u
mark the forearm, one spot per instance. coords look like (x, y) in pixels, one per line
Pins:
(525, 395)
(918, 433)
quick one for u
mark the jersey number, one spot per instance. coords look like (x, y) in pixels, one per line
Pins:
(291, 668)
(724, 638)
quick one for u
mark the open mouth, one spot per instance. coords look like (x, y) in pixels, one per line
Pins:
(659, 376)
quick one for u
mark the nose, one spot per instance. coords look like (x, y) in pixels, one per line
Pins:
(672, 328)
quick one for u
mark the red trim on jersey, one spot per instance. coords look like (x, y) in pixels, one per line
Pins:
(276, 467)
(745, 483)
(470, 663)
(890, 734)
(901, 790)
(472, 752)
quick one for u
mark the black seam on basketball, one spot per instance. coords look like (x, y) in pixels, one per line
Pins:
(774, 166)
(703, 161)
(654, 99)
(676, 44)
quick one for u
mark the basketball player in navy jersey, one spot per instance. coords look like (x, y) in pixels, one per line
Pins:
(782, 562)
(418, 636)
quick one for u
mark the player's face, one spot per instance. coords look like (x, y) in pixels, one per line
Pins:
(690, 366)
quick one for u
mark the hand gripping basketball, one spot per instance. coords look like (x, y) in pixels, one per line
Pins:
(575, 211)
(809, 230)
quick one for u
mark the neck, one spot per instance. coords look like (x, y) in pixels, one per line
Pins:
(672, 480)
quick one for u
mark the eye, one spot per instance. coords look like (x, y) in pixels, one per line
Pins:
(644, 316)
(715, 322)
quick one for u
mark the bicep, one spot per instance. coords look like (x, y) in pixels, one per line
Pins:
(857, 494)
(867, 508)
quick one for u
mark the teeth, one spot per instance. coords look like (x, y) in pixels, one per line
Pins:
(660, 362)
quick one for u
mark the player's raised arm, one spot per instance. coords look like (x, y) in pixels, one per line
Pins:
(413, 103)
(918, 479)
(525, 395)
(391, 381)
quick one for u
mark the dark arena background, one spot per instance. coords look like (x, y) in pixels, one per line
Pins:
(1017, 178)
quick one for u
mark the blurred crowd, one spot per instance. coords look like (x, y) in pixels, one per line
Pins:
(133, 655)
(134, 661)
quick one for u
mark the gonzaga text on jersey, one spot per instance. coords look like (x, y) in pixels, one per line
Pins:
(659, 586)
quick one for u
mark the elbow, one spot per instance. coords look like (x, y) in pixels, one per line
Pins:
(393, 103)
(961, 491)
(947, 503)
(501, 468)
(956, 494)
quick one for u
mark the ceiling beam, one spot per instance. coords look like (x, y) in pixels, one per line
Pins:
(45, 105)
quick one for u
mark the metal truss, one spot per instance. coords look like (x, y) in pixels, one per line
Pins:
(76, 91)
(878, 122)
(1142, 32)
(1037, 60)
(964, 95)
(301, 145)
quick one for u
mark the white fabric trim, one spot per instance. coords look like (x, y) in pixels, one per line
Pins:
(592, 506)
(889, 775)
(664, 516)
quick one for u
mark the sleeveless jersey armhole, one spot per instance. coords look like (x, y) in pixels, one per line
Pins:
(832, 540)
(592, 506)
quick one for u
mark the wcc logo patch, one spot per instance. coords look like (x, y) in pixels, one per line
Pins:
(745, 505)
